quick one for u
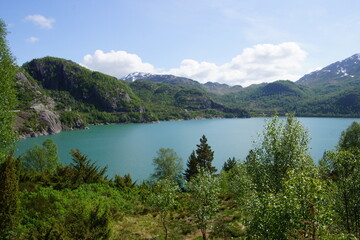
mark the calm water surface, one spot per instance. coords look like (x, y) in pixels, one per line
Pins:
(130, 148)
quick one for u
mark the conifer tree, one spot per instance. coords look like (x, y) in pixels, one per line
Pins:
(201, 158)
(191, 169)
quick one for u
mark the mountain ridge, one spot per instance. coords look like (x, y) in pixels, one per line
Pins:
(58, 94)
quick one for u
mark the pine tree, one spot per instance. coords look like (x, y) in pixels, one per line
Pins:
(201, 158)
(191, 169)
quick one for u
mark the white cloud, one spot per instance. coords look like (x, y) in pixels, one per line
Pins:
(261, 63)
(32, 39)
(41, 21)
(116, 63)
(258, 64)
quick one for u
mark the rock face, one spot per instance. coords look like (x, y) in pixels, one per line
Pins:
(49, 117)
(38, 116)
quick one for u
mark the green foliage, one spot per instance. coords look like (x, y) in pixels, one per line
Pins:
(204, 199)
(84, 213)
(72, 119)
(350, 138)
(84, 170)
(124, 183)
(236, 183)
(168, 165)
(42, 158)
(283, 147)
(201, 159)
(8, 99)
(343, 169)
(8, 198)
(162, 199)
(229, 164)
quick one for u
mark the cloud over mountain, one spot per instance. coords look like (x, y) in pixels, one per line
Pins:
(260, 63)
(116, 63)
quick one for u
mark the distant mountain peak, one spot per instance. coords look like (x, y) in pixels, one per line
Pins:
(136, 75)
(338, 71)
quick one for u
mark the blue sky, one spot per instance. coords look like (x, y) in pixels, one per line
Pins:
(229, 41)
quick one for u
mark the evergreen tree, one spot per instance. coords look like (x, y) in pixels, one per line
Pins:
(202, 159)
(191, 169)
(84, 170)
(229, 164)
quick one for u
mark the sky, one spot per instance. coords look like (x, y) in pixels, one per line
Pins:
(237, 42)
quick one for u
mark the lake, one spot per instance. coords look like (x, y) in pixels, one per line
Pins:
(130, 148)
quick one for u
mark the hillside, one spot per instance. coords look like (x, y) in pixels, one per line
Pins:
(75, 96)
(211, 87)
(57, 94)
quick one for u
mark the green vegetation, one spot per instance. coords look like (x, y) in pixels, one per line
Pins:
(167, 165)
(8, 98)
(277, 192)
(200, 160)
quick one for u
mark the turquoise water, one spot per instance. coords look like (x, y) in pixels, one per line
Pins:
(130, 148)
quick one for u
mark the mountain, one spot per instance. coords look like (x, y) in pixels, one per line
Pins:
(171, 101)
(57, 94)
(163, 78)
(345, 73)
(280, 96)
(216, 88)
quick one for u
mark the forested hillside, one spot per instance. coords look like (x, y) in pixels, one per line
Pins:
(57, 94)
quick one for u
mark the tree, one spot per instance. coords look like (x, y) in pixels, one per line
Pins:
(8, 99)
(8, 197)
(168, 165)
(204, 193)
(283, 147)
(229, 164)
(201, 159)
(42, 158)
(8, 165)
(85, 171)
(162, 198)
(350, 138)
(342, 168)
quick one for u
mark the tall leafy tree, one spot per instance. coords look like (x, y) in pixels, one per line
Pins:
(342, 167)
(8, 99)
(204, 193)
(41, 158)
(168, 165)
(163, 199)
(200, 159)
(350, 138)
(8, 166)
(283, 147)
